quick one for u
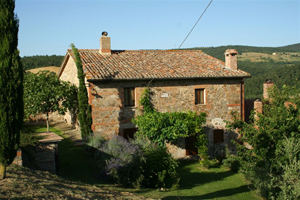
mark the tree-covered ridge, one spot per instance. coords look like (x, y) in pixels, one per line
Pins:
(280, 73)
(218, 52)
(32, 62)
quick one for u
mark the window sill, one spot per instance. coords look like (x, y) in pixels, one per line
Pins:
(129, 107)
(200, 104)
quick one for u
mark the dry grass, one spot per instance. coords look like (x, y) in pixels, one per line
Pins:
(50, 68)
(23, 183)
(264, 57)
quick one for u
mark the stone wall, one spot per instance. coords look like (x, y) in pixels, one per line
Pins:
(70, 72)
(45, 157)
(222, 96)
(55, 117)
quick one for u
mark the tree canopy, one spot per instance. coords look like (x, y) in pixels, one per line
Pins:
(45, 93)
(32, 62)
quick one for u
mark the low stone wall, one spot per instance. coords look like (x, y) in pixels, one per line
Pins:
(45, 154)
(177, 150)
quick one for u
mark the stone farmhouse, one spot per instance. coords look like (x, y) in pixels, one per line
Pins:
(180, 80)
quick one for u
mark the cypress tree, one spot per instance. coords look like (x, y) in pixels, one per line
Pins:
(84, 108)
(11, 85)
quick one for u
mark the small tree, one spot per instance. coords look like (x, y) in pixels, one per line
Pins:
(11, 85)
(45, 93)
(84, 108)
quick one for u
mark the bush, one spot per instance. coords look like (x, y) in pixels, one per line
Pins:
(138, 163)
(28, 139)
(159, 168)
(233, 163)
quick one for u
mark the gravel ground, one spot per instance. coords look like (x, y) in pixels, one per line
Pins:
(23, 183)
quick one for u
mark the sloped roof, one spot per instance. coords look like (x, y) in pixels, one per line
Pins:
(148, 64)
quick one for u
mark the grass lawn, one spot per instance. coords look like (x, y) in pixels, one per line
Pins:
(200, 183)
(77, 164)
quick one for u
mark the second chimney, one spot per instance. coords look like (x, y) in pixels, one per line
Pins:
(231, 59)
(267, 85)
(105, 44)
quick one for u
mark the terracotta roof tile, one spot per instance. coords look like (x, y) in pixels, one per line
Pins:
(148, 64)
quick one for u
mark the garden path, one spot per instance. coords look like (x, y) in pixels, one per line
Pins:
(69, 132)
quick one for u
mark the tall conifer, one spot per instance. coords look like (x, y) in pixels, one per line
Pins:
(84, 108)
(11, 85)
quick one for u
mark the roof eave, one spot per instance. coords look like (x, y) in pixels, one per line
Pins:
(170, 78)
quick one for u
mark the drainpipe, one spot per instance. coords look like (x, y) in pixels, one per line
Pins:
(242, 99)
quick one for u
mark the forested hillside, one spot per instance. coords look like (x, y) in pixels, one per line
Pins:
(280, 73)
(32, 62)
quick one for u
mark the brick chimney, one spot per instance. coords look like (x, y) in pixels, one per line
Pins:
(267, 85)
(258, 108)
(105, 44)
(231, 59)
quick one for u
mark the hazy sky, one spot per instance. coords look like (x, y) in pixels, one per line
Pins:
(48, 27)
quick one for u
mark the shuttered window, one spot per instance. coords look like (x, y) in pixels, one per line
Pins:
(199, 96)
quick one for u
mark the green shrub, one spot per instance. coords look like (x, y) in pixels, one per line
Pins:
(201, 144)
(209, 163)
(159, 168)
(289, 181)
(28, 139)
(233, 163)
(96, 141)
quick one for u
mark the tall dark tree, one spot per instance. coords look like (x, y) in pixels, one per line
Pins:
(11, 85)
(84, 108)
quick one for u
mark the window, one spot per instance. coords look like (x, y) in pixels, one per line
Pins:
(218, 136)
(129, 97)
(199, 96)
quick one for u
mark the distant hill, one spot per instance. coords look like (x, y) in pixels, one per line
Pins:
(218, 52)
(50, 68)
(292, 47)
(32, 62)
